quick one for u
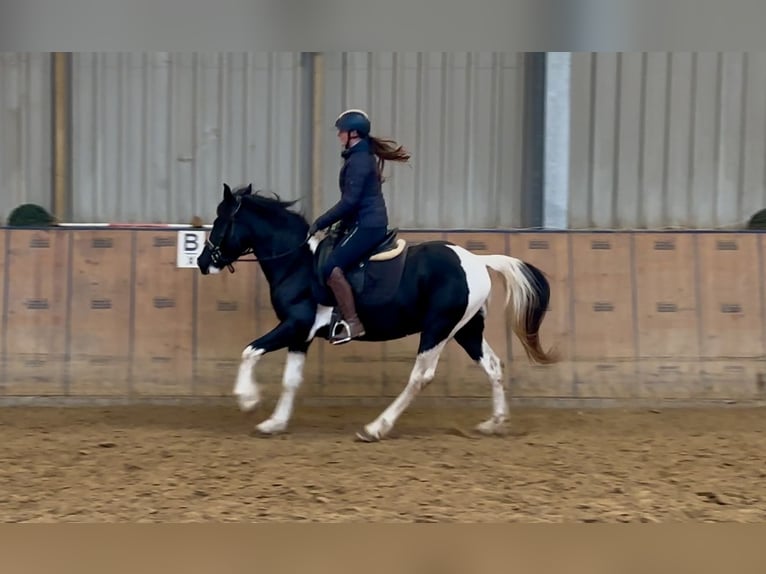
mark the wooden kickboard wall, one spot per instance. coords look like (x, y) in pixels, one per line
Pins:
(105, 312)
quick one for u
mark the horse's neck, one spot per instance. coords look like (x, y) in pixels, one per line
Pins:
(276, 260)
(278, 271)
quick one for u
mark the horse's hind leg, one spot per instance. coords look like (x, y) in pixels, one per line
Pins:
(422, 373)
(471, 338)
(441, 324)
(459, 305)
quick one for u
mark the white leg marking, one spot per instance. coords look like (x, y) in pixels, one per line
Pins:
(246, 389)
(322, 319)
(479, 285)
(422, 373)
(492, 366)
(313, 243)
(291, 382)
(213, 270)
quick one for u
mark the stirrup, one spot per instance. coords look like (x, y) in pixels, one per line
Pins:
(338, 339)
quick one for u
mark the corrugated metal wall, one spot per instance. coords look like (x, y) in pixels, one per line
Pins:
(25, 131)
(657, 139)
(460, 116)
(156, 134)
(667, 139)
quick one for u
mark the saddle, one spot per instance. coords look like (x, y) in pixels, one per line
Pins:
(374, 281)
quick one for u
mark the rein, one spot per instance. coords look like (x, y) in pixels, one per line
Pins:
(215, 254)
(215, 250)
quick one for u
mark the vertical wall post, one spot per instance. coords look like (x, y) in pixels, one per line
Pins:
(533, 140)
(557, 120)
(317, 122)
(62, 135)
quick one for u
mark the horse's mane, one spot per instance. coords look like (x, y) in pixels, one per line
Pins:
(272, 207)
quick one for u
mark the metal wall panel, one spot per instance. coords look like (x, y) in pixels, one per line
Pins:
(156, 134)
(460, 116)
(25, 130)
(664, 140)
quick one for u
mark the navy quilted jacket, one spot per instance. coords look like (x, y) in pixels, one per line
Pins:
(361, 201)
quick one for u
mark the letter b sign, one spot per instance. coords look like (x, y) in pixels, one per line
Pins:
(190, 244)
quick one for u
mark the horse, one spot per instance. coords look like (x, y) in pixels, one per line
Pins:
(435, 288)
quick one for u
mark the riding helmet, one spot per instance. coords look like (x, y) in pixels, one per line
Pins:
(354, 120)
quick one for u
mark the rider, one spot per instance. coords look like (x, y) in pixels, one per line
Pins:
(361, 210)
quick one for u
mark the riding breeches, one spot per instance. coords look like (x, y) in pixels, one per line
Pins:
(352, 248)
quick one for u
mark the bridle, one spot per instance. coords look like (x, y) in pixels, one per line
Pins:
(216, 255)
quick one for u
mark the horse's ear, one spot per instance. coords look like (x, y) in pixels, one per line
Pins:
(227, 195)
(248, 189)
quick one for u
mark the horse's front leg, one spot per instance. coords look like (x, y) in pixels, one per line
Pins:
(302, 320)
(246, 388)
(291, 382)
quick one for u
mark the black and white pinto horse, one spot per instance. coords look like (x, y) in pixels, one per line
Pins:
(435, 288)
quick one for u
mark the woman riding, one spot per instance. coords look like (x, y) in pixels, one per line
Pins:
(361, 210)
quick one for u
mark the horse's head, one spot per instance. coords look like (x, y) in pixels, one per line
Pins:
(248, 222)
(229, 239)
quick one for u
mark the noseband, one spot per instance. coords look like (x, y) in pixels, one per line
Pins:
(216, 255)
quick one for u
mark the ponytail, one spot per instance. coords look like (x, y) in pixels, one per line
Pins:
(387, 150)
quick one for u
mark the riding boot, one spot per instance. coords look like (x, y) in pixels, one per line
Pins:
(352, 326)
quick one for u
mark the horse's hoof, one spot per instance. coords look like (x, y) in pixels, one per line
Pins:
(258, 433)
(255, 433)
(364, 436)
(247, 405)
(271, 426)
(491, 428)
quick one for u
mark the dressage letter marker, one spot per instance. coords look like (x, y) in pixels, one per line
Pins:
(190, 244)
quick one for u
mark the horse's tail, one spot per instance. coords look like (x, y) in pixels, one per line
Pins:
(528, 289)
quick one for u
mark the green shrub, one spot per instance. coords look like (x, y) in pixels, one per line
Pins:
(30, 215)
